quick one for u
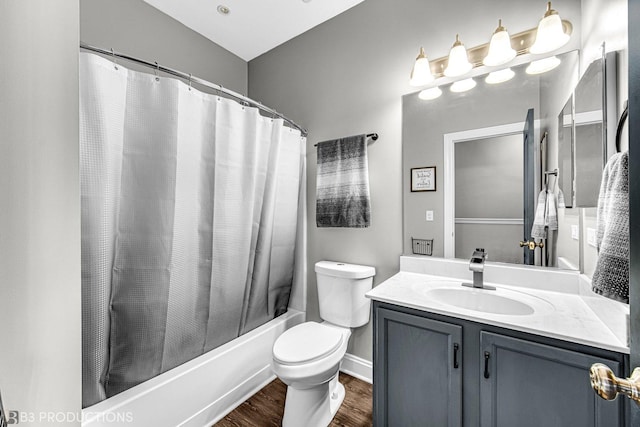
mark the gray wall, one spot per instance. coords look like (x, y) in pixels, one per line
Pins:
(347, 76)
(488, 184)
(488, 177)
(40, 366)
(137, 29)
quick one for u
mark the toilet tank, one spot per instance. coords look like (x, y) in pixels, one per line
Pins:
(341, 289)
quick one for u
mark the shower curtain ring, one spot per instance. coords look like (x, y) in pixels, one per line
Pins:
(113, 58)
(189, 81)
(157, 70)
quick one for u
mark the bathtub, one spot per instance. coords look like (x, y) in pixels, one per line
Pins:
(202, 391)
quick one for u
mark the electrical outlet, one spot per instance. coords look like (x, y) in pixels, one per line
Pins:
(429, 215)
(591, 237)
(575, 232)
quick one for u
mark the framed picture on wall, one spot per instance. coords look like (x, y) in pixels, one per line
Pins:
(423, 179)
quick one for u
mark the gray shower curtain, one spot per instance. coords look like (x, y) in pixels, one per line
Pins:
(189, 215)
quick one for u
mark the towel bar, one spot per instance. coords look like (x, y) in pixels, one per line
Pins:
(373, 136)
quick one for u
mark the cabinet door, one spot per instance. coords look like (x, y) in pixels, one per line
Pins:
(417, 371)
(528, 384)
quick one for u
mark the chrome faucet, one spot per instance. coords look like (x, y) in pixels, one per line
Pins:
(476, 265)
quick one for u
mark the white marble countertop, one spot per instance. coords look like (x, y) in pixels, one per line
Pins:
(570, 316)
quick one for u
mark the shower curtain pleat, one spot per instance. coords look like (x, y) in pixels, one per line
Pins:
(240, 171)
(189, 220)
(188, 291)
(102, 112)
(268, 292)
(142, 270)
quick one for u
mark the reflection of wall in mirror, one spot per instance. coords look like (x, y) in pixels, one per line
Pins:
(488, 197)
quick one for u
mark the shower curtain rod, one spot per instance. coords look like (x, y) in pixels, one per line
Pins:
(192, 79)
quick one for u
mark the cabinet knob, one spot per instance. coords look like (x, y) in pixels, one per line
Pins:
(608, 386)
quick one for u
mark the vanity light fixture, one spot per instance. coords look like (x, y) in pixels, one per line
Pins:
(500, 76)
(429, 94)
(500, 50)
(458, 60)
(463, 85)
(543, 65)
(550, 35)
(421, 73)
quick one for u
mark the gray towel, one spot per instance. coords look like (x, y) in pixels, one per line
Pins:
(611, 277)
(342, 190)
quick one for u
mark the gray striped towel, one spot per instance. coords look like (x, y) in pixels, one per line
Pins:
(611, 277)
(342, 190)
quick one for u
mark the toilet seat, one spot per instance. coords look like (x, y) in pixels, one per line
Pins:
(306, 343)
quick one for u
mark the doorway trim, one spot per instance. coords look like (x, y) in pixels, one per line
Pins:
(449, 140)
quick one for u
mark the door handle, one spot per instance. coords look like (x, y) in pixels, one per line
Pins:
(487, 356)
(531, 244)
(456, 347)
(608, 386)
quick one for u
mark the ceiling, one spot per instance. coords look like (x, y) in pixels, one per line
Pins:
(252, 27)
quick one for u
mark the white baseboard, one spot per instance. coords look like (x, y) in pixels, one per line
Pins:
(357, 367)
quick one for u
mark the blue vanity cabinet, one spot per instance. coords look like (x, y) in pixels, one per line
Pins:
(433, 370)
(417, 372)
(528, 384)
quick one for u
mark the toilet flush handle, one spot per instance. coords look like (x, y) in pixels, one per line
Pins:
(608, 386)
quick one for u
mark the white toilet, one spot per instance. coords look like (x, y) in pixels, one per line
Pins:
(307, 357)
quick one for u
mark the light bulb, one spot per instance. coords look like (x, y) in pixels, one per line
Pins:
(429, 94)
(500, 76)
(550, 35)
(500, 50)
(463, 85)
(458, 63)
(543, 65)
(421, 73)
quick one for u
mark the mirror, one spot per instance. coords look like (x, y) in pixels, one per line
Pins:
(565, 152)
(476, 141)
(586, 139)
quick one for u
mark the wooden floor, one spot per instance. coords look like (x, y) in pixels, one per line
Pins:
(265, 408)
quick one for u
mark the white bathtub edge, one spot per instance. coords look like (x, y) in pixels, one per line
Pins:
(199, 390)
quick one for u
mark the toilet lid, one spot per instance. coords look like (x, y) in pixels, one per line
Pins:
(306, 342)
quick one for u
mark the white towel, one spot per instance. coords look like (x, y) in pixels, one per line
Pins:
(561, 202)
(538, 230)
(546, 217)
(551, 212)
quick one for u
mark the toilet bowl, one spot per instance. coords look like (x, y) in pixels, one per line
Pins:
(307, 357)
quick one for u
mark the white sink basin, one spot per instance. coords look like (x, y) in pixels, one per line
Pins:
(499, 301)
